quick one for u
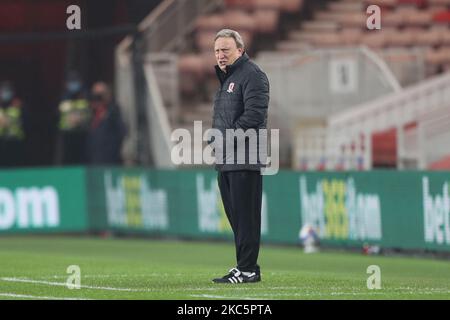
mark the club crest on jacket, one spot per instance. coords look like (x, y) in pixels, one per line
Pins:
(230, 87)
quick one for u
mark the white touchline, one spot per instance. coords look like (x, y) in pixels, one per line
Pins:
(63, 284)
(264, 296)
(223, 297)
(27, 296)
(397, 291)
(94, 276)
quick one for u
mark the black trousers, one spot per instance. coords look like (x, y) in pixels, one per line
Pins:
(241, 193)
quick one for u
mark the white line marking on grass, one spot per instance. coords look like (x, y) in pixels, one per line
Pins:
(27, 296)
(265, 296)
(298, 291)
(63, 284)
(268, 296)
(99, 276)
(223, 297)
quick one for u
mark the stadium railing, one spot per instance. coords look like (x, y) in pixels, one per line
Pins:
(397, 110)
(311, 85)
(158, 121)
(424, 142)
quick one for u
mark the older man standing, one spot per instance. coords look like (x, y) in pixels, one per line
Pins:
(240, 103)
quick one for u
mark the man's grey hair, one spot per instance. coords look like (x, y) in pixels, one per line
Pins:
(228, 33)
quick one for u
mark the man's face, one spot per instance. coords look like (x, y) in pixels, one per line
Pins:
(99, 94)
(227, 52)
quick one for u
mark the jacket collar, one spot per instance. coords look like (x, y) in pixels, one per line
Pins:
(230, 69)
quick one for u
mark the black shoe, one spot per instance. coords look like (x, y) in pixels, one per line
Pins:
(236, 276)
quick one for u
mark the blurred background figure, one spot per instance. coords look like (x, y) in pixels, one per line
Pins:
(106, 131)
(309, 239)
(74, 119)
(11, 127)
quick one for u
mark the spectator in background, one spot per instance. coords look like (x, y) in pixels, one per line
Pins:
(107, 131)
(12, 136)
(75, 116)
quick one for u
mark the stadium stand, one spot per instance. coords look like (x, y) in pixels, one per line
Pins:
(257, 21)
(410, 24)
(405, 24)
(383, 126)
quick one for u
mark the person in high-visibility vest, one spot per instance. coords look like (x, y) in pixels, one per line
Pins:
(12, 135)
(75, 116)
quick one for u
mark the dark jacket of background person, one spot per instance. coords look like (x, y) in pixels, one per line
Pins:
(241, 103)
(105, 136)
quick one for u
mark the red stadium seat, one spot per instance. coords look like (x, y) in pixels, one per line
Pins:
(351, 36)
(205, 39)
(328, 40)
(241, 4)
(432, 37)
(442, 17)
(445, 36)
(191, 71)
(239, 20)
(341, 6)
(439, 56)
(291, 5)
(442, 164)
(439, 2)
(393, 19)
(415, 17)
(212, 22)
(401, 38)
(266, 4)
(266, 20)
(381, 3)
(377, 39)
(242, 21)
(417, 3)
(437, 8)
(208, 61)
(384, 148)
(320, 26)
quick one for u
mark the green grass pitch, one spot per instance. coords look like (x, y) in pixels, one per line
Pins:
(36, 268)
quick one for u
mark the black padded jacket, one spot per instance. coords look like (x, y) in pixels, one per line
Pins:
(241, 103)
